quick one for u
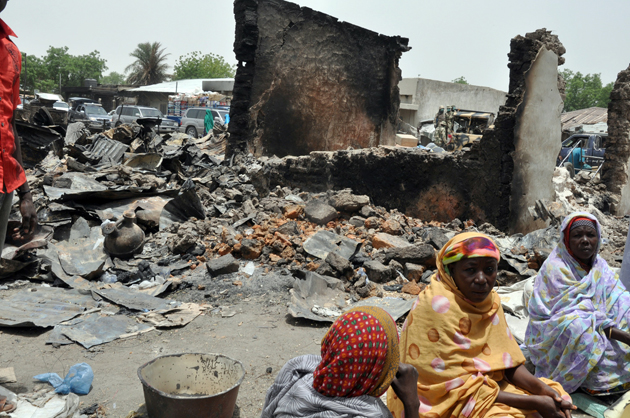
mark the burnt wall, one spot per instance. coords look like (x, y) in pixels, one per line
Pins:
(307, 82)
(523, 53)
(617, 157)
(478, 184)
(421, 184)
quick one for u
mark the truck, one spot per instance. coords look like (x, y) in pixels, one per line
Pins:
(469, 126)
(582, 152)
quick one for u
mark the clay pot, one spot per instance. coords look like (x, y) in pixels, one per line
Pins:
(123, 238)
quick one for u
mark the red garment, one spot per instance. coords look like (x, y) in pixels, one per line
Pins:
(353, 356)
(12, 174)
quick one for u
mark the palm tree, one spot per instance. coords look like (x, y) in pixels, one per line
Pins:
(150, 64)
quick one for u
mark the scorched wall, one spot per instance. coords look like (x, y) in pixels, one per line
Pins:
(307, 82)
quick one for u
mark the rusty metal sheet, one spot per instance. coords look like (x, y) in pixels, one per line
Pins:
(83, 254)
(44, 307)
(134, 299)
(95, 329)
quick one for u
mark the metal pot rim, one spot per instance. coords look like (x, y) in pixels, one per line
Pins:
(171, 396)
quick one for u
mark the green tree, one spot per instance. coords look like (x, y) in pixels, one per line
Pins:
(460, 80)
(113, 79)
(46, 73)
(584, 91)
(150, 65)
(196, 65)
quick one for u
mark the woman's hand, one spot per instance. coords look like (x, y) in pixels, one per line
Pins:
(405, 386)
(550, 408)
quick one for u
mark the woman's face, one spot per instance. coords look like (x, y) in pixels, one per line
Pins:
(475, 277)
(583, 243)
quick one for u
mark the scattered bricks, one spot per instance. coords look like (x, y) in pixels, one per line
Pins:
(395, 266)
(392, 227)
(285, 240)
(251, 248)
(237, 283)
(288, 253)
(319, 212)
(377, 272)
(312, 266)
(414, 272)
(412, 288)
(325, 269)
(201, 287)
(383, 240)
(274, 258)
(367, 211)
(293, 211)
(348, 202)
(338, 263)
(223, 249)
(222, 265)
(357, 221)
(290, 228)
(372, 222)
(375, 290)
(435, 237)
(423, 254)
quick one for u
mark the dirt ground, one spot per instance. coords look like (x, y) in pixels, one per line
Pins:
(260, 335)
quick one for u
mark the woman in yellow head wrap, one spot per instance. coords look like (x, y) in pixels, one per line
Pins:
(457, 338)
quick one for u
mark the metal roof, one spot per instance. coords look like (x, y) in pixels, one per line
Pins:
(191, 86)
(589, 116)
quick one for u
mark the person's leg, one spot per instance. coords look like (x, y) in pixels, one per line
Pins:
(6, 199)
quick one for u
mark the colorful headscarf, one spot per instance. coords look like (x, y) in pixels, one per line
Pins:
(460, 349)
(473, 247)
(575, 221)
(360, 354)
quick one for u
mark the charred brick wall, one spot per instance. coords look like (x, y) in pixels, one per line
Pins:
(617, 157)
(307, 82)
(428, 186)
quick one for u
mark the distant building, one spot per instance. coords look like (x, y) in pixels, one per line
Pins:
(157, 95)
(420, 98)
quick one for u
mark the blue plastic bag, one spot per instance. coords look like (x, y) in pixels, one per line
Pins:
(78, 380)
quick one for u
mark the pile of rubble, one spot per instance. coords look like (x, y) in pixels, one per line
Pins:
(213, 233)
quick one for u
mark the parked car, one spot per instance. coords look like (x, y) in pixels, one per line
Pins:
(92, 114)
(129, 114)
(587, 151)
(61, 106)
(193, 120)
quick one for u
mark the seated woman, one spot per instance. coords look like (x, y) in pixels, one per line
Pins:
(457, 338)
(579, 314)
(359, 361)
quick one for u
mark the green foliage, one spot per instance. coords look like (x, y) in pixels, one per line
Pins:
(150, 65)
(195, 65)
(460, 80)
(44, 73)
(113, 79)
(584, 91)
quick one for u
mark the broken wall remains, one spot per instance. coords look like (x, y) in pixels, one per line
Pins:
(493, 182)
(307, 82)
(528, 143)
(617, 157)
(537, 136)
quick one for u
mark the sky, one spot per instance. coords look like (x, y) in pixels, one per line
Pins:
(449, 39)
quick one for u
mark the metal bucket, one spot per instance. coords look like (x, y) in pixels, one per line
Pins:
(191, 385)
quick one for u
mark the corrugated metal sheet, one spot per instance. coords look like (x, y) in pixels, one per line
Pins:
(589, 116)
